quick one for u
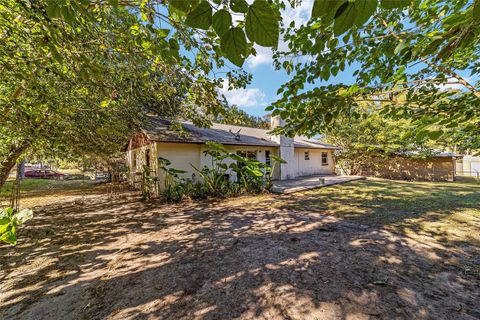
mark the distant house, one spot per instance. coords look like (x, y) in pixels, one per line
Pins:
(468, 166)
(409, 166)
(186, 149)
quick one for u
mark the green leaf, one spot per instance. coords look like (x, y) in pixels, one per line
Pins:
(326, 9)
(240, 6)
(421, 135)
(162, 33)
(401, 45)
(432, 47)
(344, 18)
(9, 236)
(393, 4)
(23, 216)
(262, 24)
(201, 16)
(434, 135)
(182, 5)
(234, 45)
(222, 21)
(364, 10)
(53, 10)
(277, 159)
(476, 10)
(4, 223)
(173, 44)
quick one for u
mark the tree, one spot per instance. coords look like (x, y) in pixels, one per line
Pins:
(364, 139)
(403, 54)
(235, 116)
(79, 76)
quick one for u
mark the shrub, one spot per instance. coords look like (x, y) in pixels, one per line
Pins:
(252, 176)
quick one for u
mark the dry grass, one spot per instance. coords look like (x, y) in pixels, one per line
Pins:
(363, 250)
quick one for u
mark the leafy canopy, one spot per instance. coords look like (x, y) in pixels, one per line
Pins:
(413, 58)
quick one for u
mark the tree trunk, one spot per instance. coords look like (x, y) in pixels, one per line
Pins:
(21, 170)
(8, 162)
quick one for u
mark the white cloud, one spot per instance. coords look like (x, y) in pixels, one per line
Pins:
(249, 97)
(264, 56)
(300, 14)
(453, 84)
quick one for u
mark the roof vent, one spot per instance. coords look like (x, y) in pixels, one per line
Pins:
(236, 135)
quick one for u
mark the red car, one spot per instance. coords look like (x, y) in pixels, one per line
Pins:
(44, 174)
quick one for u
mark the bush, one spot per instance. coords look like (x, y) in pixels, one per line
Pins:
(253, 177)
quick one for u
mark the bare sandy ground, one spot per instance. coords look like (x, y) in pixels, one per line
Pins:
(248, 258)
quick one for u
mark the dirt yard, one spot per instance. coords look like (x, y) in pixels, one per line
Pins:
(363, 250)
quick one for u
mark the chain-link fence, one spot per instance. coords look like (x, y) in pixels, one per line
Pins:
(43, 187)
(462, 175)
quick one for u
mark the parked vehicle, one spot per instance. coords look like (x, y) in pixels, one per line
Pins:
(102, 176)
(45, 174)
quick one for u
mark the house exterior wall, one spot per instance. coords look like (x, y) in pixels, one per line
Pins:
(286, 151)
(468, 167)
(186, 156)
(402, 168)
(182, 156)
(314, 165)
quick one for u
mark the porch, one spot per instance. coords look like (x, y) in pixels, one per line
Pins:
(310, 182)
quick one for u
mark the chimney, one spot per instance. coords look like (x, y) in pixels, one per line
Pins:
(286, 149)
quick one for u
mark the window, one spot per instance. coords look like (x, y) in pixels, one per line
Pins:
(307, 155)
(247, 154)
(147, 157)
(324, 159)
(267, 158)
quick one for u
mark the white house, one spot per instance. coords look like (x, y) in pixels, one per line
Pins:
(468, 166)
(185, 150)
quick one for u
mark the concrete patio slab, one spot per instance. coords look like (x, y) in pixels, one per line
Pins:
(310, 182)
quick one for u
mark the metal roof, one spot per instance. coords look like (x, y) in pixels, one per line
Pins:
(160, 130)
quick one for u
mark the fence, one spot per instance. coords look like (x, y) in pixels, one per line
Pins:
(78, 188)
(467, 175)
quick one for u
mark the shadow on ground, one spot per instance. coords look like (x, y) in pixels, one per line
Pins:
(356, 251)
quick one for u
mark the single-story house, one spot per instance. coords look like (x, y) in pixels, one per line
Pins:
(410, 166)
(186, 149)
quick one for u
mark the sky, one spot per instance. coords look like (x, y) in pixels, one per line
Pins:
(262, 91)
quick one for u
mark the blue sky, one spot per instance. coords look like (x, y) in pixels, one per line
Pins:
(262, 91)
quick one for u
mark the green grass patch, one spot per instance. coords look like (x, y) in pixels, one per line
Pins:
(447, 209)
(25, 186)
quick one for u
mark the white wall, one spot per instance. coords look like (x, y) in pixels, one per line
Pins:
(182, 156)
(314, 165)
(468, 166)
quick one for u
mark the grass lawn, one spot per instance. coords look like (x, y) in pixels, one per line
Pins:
(446, 210)
(370, 249)
(26, 185)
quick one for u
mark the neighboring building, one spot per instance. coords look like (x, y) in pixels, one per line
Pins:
(186, 150)
(468, 166)
(439, 167)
